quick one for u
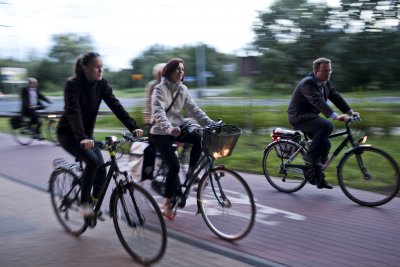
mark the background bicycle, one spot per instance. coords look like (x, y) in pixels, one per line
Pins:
(222, 196)
(137, 218)
(367, 175)
(24, 133)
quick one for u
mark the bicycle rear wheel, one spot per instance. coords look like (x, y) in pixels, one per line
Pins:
(139, 223)
(284, 177)
(64, 187)
(226, 204)
(369, 176)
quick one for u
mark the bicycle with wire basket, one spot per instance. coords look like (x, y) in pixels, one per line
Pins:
(367, 175)
(223, 197)
(137, 218)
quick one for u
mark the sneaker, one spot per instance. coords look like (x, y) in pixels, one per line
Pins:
(324, 184)
(86, 210)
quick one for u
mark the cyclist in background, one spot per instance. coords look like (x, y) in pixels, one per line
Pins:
(83, 94)
(169, 99)
(308, 100)
(31, 96)
(157, 75)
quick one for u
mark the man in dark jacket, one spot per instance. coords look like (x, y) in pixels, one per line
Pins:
(31, 96)
(308, 100)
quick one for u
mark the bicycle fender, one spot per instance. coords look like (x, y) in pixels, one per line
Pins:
(114, 195)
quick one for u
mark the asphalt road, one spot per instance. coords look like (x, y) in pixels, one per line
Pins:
(312, 227)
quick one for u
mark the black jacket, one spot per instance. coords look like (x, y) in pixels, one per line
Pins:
(82, 103)
(25, 100)
(309, 99)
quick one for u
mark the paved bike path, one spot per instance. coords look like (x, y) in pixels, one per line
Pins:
(309, 228)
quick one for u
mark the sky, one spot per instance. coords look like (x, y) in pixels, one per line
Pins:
(122, 29)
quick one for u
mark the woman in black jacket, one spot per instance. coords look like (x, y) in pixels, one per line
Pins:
(83, 94)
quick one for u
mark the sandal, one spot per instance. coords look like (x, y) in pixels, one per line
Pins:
(169, 215)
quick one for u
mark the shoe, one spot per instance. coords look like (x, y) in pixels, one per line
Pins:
(324, 184)
(86, 210)
(168, 213)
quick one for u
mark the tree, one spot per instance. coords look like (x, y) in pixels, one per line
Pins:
(293, 33)
(67, 47)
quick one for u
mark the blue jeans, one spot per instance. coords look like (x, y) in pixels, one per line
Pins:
(93, 159)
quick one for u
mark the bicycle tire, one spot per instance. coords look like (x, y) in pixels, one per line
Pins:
(283, 178)
(377, 186)
(146, 239)
(52, 131)
(229, 213)
(23, 135)
(64, 188)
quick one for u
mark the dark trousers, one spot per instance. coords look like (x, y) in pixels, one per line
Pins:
(318, 130)
(93, 159)
(164, 144)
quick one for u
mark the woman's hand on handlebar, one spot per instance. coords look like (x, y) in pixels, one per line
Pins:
(137, 133)
(87, 144)
(174, 131)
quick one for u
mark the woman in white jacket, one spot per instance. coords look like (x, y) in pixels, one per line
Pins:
(169, 98)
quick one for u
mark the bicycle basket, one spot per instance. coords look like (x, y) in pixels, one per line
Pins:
(220, 143)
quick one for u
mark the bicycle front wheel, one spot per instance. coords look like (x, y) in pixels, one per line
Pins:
(139, 223)
(23, 135)
(280, 174)
(226, 204)
(64, 187)
(369, 176)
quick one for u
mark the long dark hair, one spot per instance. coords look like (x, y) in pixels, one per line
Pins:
(83, 60)
(171, 66)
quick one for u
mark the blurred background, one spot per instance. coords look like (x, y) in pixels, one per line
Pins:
(248, 54)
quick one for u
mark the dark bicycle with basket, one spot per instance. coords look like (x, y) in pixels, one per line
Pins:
(223, 197)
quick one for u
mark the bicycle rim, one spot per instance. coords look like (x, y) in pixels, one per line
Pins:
(139, 224)
(64, 190)
(369, 176)
(281, 177)
(23, 135)
(226, 204)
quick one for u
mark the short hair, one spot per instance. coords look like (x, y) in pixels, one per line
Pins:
(171, 66)
(319, 61)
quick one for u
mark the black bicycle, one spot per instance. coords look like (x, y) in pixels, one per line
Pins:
(137, 217)
(367, 175)
(223, 197)
(23, 132)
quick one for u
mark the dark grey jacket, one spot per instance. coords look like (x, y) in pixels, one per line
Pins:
(309, 99)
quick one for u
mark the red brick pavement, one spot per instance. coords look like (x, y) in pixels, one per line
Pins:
(309, 228)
